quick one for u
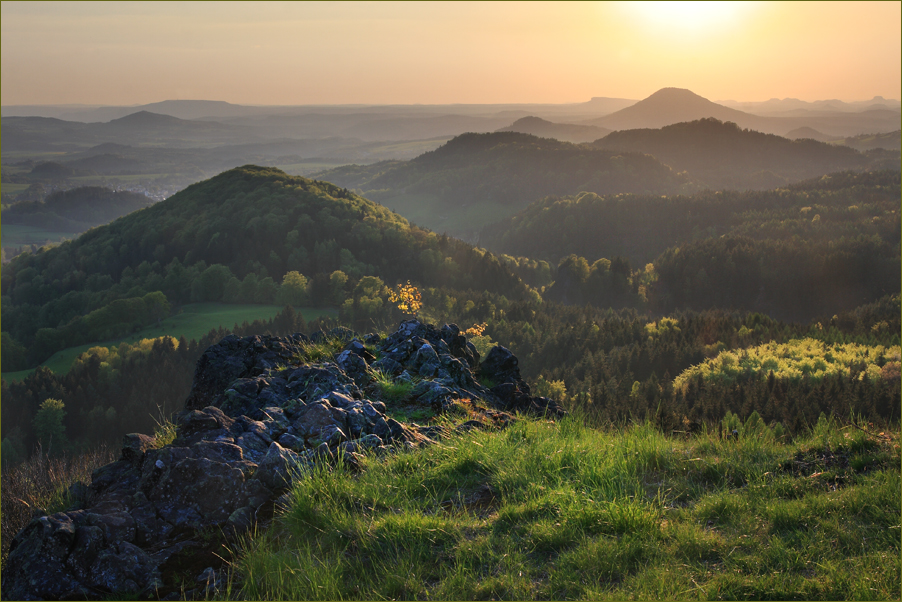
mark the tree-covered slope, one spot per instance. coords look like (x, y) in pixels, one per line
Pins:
(77, 209)
(247, 227)
(820, 246)
(723, 155)
(508, 170)
(567, 132)
(640, 228)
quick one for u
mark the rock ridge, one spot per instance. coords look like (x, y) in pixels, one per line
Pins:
(258, 417)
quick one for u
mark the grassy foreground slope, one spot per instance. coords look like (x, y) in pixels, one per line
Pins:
(561, 511)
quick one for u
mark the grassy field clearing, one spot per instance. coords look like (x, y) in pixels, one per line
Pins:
(544, 511)
(10, 188)
(194, 321)
(23, 155)
(16, 235)
(410, 149)
(106, 180)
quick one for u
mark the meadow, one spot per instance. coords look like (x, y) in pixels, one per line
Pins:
(193, 322)
(562, 511)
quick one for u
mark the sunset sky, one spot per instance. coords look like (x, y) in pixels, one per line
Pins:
(402, 53)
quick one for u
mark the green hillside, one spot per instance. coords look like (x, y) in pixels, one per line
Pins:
(723, 155)
(505, 170)
(232, 238)
(606, 339)
(814, 248)
(75, 210)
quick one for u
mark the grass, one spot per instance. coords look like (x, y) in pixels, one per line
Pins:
(396, 395)
(560, 511)
(323, 351)
(9, 187)
(16, 236)
(122, 179)
(41, 484)
(391, 390)
(193, 322)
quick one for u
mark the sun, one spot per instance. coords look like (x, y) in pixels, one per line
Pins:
(686, 16)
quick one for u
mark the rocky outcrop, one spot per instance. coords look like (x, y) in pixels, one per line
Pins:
(256, 419)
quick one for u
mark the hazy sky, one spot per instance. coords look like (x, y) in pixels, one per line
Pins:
(376, 53)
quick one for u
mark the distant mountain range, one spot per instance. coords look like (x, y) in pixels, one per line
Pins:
(777, 106)
(210, 123)
(140, 128)
(675, 105)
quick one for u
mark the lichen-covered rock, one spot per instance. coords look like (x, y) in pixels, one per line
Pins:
(254, 421)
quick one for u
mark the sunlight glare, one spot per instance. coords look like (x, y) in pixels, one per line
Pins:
(687, 16)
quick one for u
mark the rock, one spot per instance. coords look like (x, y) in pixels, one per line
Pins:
(234, 358)
(253, 422)
(358, 348)
(320, 422)
(434, 394)
(280, 467)
(135, 444)
(501, 366)
(387, 365)
(313, 382)
(370, 441)
(291, 442)
(469, 425)
(353, 365)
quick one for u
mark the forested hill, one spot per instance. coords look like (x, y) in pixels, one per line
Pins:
(511, 168)
(568, 132)
(723, 155)
(815, 248)
(641, 227)
(504, 171)
(247, 227)
(77, 209)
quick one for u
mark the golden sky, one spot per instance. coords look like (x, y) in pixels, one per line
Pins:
(122, 53)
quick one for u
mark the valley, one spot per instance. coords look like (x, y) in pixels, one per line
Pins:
(668, 286)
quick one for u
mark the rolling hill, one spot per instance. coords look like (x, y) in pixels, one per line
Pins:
(641, 227)
(75, 210)
(475, 179)
(566, 132)
(251, 225)
(722, 155)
